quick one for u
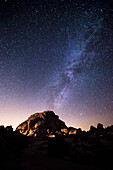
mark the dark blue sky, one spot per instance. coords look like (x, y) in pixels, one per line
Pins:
(56, 55)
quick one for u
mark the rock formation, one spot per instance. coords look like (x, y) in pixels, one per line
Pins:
(54, 140)
(41, 124)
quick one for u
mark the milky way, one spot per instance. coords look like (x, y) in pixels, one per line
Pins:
(56, 56)
(84, 56)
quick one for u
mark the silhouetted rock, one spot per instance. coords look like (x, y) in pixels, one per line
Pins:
(93, 129)
(100, 129)
(109, 129)
(39, 124)
(99, 126)
(79, 132)
(9, 128)
(1, 127)
(2, 130)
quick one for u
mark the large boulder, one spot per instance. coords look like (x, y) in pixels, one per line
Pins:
(39, 124)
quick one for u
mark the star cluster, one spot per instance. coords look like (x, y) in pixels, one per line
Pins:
(56, 55)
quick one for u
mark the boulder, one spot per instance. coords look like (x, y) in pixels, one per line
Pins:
(39, 124)
(100, 129)
(93, 130)
(73, 132)
(99, 126)
(9, 129)
(65, 131)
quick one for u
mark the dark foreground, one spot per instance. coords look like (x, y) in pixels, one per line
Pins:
(84, 151)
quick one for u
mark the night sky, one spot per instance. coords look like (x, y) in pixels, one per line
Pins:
(56, 55)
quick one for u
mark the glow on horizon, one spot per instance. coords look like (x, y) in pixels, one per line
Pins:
(15, 117)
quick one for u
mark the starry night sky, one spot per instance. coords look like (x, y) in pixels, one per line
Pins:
(56, 55)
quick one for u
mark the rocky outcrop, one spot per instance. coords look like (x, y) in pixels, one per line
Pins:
(41, 124)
